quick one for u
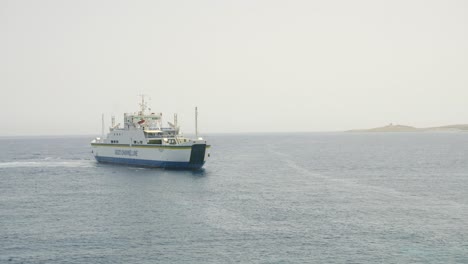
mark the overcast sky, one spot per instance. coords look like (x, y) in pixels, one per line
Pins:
(249, 66)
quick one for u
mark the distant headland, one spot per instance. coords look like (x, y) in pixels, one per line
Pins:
(403, 128)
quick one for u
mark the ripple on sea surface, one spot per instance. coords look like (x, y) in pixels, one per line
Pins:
(323, 198)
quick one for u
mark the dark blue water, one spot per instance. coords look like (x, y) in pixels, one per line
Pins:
(274, 198)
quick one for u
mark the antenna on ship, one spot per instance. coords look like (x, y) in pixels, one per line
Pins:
(102, 128)
(196, 122)
(143, 105)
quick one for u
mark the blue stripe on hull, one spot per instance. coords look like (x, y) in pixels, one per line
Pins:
(151, 163)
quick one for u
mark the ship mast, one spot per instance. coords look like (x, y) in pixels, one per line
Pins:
(143, 105)
(196, 122)
(102, 126)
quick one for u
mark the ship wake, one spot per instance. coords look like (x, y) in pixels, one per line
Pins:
(47, 163)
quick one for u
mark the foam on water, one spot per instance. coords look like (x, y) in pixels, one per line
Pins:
(48, 163)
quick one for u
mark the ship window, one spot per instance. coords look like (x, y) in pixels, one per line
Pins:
(134, 141)
(154, 141)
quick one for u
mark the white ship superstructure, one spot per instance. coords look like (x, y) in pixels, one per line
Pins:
(142, 141)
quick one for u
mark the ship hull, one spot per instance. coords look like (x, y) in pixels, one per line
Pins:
(190, 157)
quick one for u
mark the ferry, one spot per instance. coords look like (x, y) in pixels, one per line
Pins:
(143, 141)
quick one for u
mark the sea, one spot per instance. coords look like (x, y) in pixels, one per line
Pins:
(261, 198)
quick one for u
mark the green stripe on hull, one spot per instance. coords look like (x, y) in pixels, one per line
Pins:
(142, 146)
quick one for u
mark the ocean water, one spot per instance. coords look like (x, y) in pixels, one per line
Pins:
(262, 198)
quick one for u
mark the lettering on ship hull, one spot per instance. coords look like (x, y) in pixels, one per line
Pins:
(125, 152)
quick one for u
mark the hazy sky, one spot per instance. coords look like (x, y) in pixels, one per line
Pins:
(248, 65)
